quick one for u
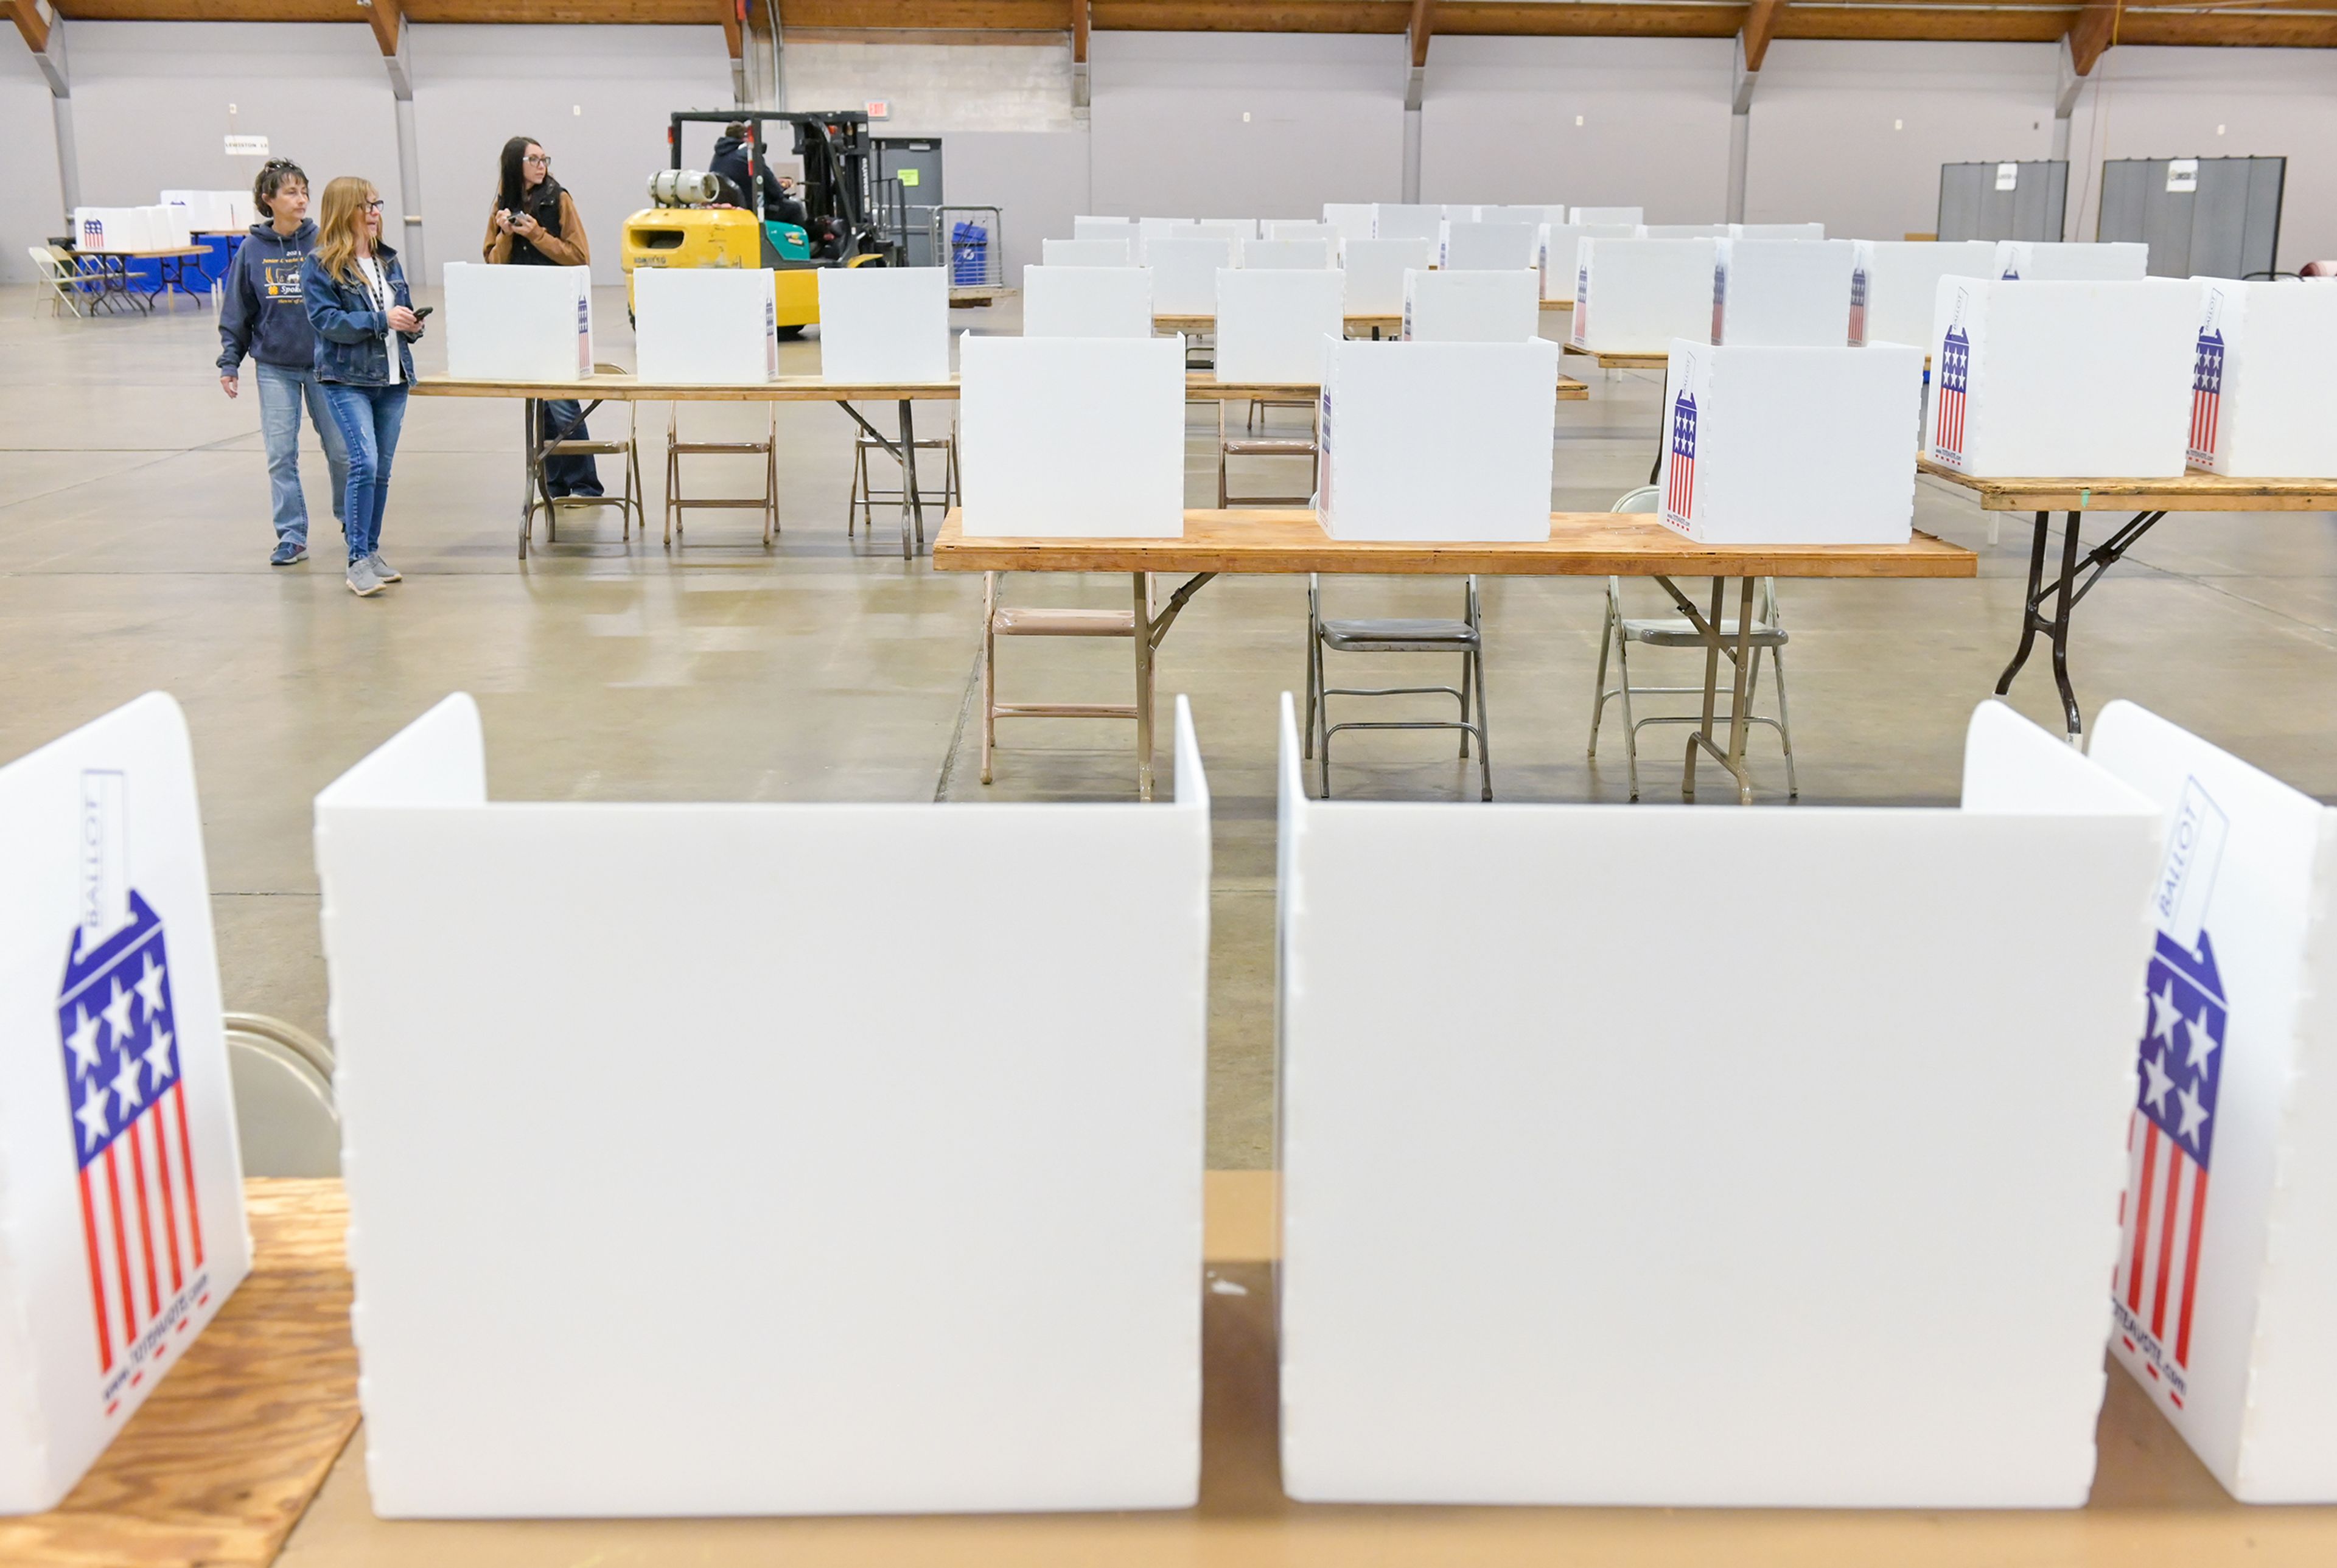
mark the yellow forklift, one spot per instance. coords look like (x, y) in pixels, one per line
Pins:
(700, 220)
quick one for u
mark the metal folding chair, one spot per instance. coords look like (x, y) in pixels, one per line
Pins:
(1465, 637)
(58, 275)
(676, 449)
(628, 501)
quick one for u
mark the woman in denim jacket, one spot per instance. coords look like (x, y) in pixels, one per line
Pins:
(357, 300)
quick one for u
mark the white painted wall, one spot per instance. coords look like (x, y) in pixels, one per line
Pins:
(2168, 102)
(1852, 134)
(476, 86)
(154, 103)
(934, 89)
(1325, 122)
(31, 207)
(1497, 123)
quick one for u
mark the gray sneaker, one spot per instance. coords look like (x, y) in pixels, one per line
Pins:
(382, 569)
(289, 552)
(364, 581)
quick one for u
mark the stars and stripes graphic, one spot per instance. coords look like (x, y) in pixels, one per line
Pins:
(1857, 306)
(2171, 1140)
(92, 233)
(1679, 477)
(1955, 377)
(1581, 303)
(2206, 396)
(142, 1222)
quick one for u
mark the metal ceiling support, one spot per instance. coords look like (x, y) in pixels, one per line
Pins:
(1414, 87)
(1740, 131)
(1082, 90)
(2064, 99)
(44, 36)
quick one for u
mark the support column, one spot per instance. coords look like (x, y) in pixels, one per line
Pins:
(2067, 86)
(45, 35)
(1412, 95)
(1740, 131)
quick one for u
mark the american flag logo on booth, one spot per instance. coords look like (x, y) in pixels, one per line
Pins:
(92, 232)
(1679, 479)
(1857, 306)
(2170, 1140)
(141, 1225)
(1955, 375)
(2206, 396)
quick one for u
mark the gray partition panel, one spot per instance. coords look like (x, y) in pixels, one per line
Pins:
(2227, 227)
(1971, 207)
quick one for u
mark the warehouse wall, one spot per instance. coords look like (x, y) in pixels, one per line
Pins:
(2169, 102)
(1497, 123)
(597, 97)
(1325, 124)
(31, 208)
(934, 89)
(1852, 134)
(1038, 179)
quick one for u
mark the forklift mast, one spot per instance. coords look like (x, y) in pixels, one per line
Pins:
(835, 148)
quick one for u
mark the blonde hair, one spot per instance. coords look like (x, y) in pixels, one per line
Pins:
(341, 223)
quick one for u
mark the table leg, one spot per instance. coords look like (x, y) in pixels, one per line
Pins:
(1711, 630)
(912, 505)
(2029, 602)
(1739, 729)
(1143, 640)
(2060, 631)
(1708, 626)
(527, 474)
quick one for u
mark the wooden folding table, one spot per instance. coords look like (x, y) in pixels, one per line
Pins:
(1580, 545)
(592, 391)
(2073, 498)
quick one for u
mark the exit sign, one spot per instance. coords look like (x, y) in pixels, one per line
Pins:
(879, 110)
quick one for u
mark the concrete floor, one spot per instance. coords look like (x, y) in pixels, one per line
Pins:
(134, 535)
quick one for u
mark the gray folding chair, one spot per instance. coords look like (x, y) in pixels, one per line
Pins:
(286, 1123)
(1621, 631)
(1465, 637)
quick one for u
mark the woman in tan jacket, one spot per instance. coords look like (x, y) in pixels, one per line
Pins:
(535, 224)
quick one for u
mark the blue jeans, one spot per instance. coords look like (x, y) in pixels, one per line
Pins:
(283, 392)
(369, 418)
(563, 419)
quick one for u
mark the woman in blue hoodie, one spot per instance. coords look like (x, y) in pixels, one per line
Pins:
(356, 298)
(260, 314)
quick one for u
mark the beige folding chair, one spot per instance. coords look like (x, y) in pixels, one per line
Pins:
(860, 509)
(1465, 637)
(676, 449)
(56, 275)
(1021, 621)
(628, 501)
(1246, 444)
(286, 1120)
(1621, 631)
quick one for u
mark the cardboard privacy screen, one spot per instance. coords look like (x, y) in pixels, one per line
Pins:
(1087, 302)
(1593, 1245)
(750, 1222)
(1635, 296)
(1073, 437)
(2225, 1287)
(1272, 323)
(1897, 281)
(705, 325)
(883, 324)
(518, 323)
(1484, 409)
(122, 1225)
(2258, 380)
(2115, 261)
(1374, 271)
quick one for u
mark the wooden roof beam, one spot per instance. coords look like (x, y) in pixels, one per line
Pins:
(1079, 31)
(388, 18)
(734, 28)
(1760, 26)
(33, 23)
(1423, 23)
(2092, 31)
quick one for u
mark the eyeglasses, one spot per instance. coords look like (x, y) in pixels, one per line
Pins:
(544, 157)
(375, 204)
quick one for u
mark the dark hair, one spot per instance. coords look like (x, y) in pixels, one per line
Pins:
(737, 128)
(274, 176)
(513, 190)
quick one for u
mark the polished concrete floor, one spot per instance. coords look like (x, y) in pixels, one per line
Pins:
(133, 542)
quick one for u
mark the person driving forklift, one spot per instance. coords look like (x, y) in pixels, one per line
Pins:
(744, 162)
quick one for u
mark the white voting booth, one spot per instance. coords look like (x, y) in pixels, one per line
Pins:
(1286, 253)
(1747, 429)
(1087, 302)
(1272, 323)
(2062, 380)
(745, 1224)
(518, 323)
(1352, 219)
(1772, 293)
(2260, 380)
(124, 228)
(1684, 231)
(1802, 1200)
(705, 325)
(2118, 261)
(2224, 1295)
(1896, 283)
(1304, 228)
(1118, 252)
(1556, 252)
(1237, 229)
(1479, 246)
(1185, 274)
(1631, 215)
(1395, 221)
(1484, 410)
(1375, 270)
(883, 324)
(1635, 296)
(1471, 307)
(211, 211)
(1532, 215)
(121, 1231)
(1148, 229)
(1120, 229)
(1072, 438)
(1776, 231)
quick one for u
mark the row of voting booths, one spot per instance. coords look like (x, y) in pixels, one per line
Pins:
(1863, 1246)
